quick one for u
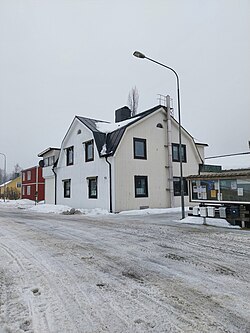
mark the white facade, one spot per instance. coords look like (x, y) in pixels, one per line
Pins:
(80, 172)
(120, 167)
(50, 156)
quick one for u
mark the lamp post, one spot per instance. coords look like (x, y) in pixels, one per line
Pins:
(142, 56)
(4, 188)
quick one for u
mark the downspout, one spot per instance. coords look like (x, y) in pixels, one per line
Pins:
(53, 169)
(110, 185)
(170, 159)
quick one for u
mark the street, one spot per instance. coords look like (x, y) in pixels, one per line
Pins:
(115, 273)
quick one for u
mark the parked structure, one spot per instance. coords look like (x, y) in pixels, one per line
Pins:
(12, 189)
(33, 184)
(132, 164)
(50, 156)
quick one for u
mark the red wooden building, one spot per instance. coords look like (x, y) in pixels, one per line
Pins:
(33, 184)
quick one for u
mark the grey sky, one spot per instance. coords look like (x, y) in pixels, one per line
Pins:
(61, 58)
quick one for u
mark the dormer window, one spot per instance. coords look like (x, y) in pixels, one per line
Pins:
(70, 155)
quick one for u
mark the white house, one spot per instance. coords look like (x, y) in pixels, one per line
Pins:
(131, 164)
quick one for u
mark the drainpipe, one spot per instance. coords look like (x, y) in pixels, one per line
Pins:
(110, 186)
(53, 169)
(170, 160)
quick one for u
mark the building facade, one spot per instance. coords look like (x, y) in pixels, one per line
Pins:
(132, 164)
(32, 184)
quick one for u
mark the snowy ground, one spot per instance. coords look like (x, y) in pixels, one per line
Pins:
(98, 272)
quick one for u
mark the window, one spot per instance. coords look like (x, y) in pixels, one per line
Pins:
(92, 188)
(28, 175)
(175, 152)
(23, 190)
(28, 190)
(18, 185)
(70, 156)
(89, 151)
(66, 188)
(177, 186)
(141, 186)
(23, 176)
(140, 149)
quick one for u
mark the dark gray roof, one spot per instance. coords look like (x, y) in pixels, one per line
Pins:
(113, 138)
(223, 174)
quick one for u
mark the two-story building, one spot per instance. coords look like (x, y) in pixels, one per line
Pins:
(131, 164)
(32, 184)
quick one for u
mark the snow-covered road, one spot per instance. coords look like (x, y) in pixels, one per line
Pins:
(78, 274)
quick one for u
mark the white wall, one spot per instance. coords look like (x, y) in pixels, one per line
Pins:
(155, 167)
(50, 190)
(126, 167)
(80, 170)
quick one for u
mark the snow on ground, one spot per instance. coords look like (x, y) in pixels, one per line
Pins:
(116, 273)
(41, 207)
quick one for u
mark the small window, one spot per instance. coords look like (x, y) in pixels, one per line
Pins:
(18, 185)
(28, 190)
(177, 186)
(140, 149)
(141, 186)
(70, 156)
(89, 151)
(23, 190)
(176, 155)
(92, 188)
(28, 175)
(51, 160)
(23, 176)
(66, 188)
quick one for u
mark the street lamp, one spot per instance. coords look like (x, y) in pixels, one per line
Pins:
(4, 188)
(142, 56)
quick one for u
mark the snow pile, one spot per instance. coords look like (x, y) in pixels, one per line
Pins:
(208, 221)
(150, 211)
(110, 127)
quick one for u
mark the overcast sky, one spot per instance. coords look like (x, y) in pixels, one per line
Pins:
(61, 58)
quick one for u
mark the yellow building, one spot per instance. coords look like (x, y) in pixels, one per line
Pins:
(12, 189)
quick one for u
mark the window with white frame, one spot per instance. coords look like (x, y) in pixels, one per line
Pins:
(23, 176)
(29, 175)
(28, 190)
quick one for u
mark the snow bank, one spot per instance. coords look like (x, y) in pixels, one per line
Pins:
(150, 211)
(41, 207)
(209, 221)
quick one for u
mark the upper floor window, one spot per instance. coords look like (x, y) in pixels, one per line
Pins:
(176, 154)
(29, 175)
(23, 176)
(49, 161)
(89, 151)
(70, 156)
(66, 188)
(141, 186)
(140, 148)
